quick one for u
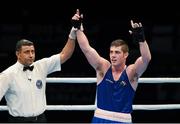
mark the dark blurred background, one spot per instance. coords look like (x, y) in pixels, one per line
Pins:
(47, 24)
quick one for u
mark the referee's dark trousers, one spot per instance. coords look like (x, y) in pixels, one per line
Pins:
(35, 119)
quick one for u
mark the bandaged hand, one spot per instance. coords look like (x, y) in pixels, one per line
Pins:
(76, 24)
(72, 34)
(77, 20)
(137, 32)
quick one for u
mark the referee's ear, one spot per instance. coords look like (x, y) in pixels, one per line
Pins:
(17, 53)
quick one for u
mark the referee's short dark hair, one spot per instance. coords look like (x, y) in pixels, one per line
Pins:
(23, 42)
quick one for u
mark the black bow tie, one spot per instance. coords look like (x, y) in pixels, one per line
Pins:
(28, 68)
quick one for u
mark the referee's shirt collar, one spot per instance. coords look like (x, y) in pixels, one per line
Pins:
(20, 66)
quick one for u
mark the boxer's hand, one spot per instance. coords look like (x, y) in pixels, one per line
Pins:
(137, 32)
(77, 20)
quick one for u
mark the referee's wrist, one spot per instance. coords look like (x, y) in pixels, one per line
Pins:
(72, 34)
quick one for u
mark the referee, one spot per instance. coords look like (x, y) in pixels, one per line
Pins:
(24, 83)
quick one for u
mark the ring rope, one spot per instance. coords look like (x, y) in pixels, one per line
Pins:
(93, 80)
(93, 107)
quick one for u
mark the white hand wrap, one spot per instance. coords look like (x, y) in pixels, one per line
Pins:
(72, 34)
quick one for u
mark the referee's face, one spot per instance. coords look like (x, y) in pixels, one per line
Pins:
(26, 55)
